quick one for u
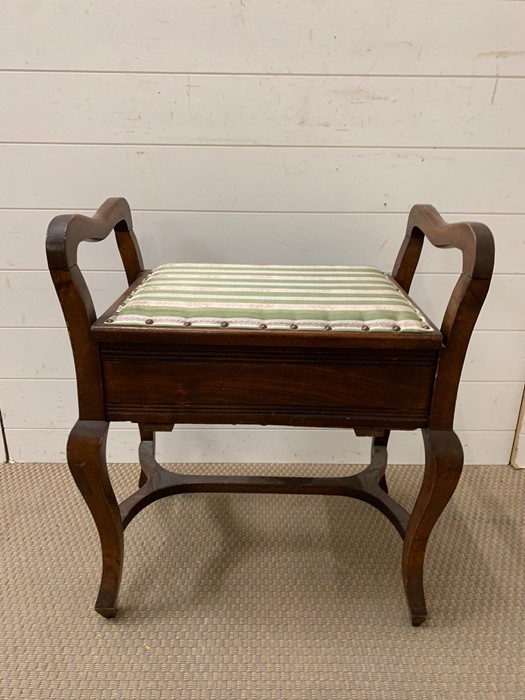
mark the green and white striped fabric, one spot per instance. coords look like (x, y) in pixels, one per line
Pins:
(273, 297)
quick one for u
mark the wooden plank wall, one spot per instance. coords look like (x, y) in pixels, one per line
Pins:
(292, 131)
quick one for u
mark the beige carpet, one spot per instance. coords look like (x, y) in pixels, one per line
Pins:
(261, 596)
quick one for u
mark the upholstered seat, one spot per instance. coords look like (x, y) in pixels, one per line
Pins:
(273, 297)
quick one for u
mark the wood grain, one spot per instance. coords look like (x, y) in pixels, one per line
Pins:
(388, 37)
(262, 179)
(280, 110)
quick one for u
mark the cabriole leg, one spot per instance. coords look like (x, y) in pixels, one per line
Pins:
(443, 465)
(86, 455)
(381, 441)
(146, 435)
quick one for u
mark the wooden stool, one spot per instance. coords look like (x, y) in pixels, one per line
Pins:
(300, 346)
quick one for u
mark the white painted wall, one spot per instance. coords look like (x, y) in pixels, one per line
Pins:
(248, 131)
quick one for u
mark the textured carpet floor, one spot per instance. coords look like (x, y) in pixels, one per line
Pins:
(261, 596)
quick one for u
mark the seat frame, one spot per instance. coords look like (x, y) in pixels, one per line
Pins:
(371, 382)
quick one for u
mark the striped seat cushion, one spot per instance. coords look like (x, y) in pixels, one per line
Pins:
(273, 297)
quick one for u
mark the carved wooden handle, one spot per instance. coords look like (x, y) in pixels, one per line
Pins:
(473, 239)
(477, 245)
(67, 231)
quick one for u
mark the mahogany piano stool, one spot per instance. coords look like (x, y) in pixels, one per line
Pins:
(340, 347)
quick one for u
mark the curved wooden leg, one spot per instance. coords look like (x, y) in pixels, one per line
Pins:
(381, 441)
(86, 456)
(148, 436)
(443, 465)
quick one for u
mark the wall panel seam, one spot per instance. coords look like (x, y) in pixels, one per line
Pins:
(279, 74)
